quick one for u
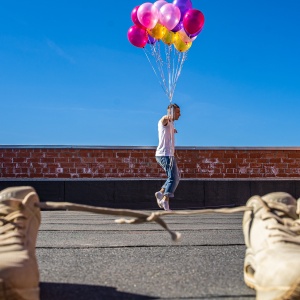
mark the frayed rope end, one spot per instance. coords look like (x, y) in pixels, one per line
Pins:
(176, 236)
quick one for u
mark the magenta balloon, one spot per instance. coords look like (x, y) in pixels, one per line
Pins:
(158, 4)
(137, 36)
(193, 21)
(169, 16)
(184, 6)
(148, 15)
(134, 17)
(195, 34)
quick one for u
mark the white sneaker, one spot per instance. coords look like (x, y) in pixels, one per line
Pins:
(165, 205)
(159, 195)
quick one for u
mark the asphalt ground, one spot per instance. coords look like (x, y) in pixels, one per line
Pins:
(89, 256)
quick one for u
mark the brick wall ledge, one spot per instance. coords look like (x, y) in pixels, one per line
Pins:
(105, 162)
(150, 147)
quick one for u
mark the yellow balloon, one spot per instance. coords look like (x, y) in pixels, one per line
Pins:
(181, 46)
(158, 31)
(169, 37)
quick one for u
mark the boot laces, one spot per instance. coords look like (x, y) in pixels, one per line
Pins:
(12, 223)
(287, 227)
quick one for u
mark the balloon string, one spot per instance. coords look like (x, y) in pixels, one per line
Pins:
(166, 70)
(173, 68)
(168, 50)
(161, 84)
(182, 57)
(160, 64)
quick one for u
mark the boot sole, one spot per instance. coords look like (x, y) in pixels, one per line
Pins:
(8, 293)
(292, 294)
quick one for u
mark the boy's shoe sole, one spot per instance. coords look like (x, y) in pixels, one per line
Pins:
(158, 199)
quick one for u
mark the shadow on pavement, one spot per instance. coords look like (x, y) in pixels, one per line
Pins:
(227, 297)
(66, 291)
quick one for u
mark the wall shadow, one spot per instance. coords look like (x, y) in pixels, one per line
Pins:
(66, 291)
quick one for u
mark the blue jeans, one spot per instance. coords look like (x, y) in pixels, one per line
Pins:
(168, 163)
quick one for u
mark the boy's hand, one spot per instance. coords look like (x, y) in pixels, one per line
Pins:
(165, 119)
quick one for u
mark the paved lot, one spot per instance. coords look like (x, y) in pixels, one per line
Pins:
(88, 256)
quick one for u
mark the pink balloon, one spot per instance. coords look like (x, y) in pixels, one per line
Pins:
(134, 17)
(158, 4)
(193, 21)
(137, 36)
(148, 15)
(169, 15)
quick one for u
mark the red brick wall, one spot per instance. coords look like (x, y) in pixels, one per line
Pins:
(139, 162)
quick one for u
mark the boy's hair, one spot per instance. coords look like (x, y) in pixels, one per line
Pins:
(173, 105)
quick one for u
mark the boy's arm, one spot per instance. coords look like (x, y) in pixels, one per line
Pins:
(165, 120)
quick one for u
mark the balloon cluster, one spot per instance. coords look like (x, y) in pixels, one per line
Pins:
(174, 23)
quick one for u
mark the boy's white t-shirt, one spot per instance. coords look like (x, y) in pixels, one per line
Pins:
(166, 139)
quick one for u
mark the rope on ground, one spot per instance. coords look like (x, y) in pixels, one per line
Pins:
(138, 217)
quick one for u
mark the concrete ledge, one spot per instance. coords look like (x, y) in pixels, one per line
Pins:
(139, 193)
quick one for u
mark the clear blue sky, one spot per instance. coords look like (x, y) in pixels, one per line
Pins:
(69, 76)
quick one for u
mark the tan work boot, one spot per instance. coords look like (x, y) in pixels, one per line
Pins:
(20, 219)
(19, 224)
(272, 237)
